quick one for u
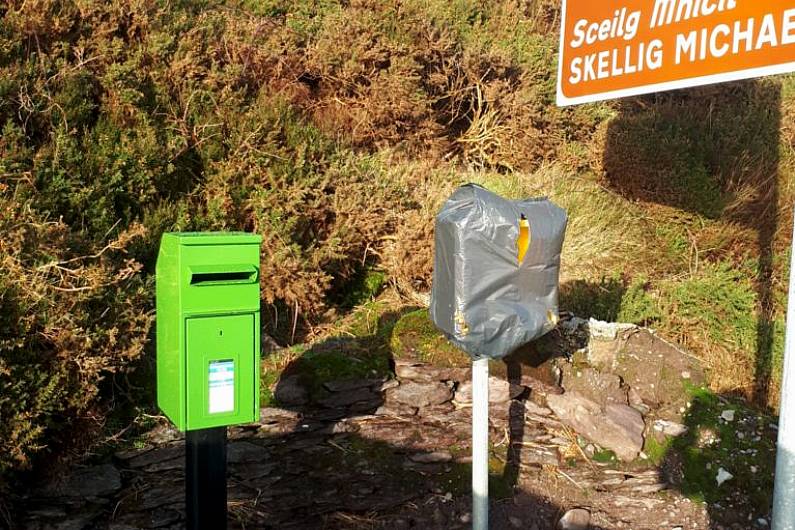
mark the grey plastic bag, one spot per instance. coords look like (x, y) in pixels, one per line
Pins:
(484, 300)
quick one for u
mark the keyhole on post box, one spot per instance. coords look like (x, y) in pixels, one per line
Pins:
(220, 333)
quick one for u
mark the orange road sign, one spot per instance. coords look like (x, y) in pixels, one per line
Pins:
(617, 48)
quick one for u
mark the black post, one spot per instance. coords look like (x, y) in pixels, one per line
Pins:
(205, 479)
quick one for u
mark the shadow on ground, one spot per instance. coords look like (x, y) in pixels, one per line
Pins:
(345, 455)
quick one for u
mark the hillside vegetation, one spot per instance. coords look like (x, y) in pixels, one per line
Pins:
(335, 130)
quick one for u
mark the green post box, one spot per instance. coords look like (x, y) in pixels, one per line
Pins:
(208, 323)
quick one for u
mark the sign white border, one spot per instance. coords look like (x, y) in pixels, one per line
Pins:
(750, 73)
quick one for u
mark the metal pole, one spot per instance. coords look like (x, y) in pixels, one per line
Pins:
(480, 444)
(784, 495)
(205, 479)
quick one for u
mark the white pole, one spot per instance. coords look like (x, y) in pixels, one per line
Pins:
(480, 444)
(784, 496)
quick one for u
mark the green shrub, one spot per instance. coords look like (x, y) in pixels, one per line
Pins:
(67, 322)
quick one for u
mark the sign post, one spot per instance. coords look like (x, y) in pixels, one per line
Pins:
(480, 444)
(784, 495)
(618, 48)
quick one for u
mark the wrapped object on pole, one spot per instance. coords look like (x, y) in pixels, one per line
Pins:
(484, 298)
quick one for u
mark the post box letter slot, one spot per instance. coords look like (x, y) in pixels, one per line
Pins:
(222, 275)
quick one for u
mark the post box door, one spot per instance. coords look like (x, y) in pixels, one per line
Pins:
(221, 368)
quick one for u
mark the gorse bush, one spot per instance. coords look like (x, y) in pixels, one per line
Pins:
(66, 321)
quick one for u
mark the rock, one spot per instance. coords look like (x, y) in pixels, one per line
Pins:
(254, 470)
(240, 432)
(571, 324)
(603, 388)
(431, 458)
(415, 394)
(269, 344)
(290, 391)
(670, 428)
(239, 452)
(441, 412)
(538, 456)
(439, 517)
(727, 415)
(533, 408)
(652, 368)
(328, 414)
(350, 384)
(166, 465)
(615, 427)
(723, 476)
(347, 398)
(157, 517)
(603, 353)
(78, 521)
(425, 372)
(576, 519)
(127, 454)
(274, 414)
(540, 387)
(95, 481)
(395, 409)
(515, 521)
(160, 496)
(386, 385)
(607, 330)
(156, 456)
(648, 489)
(163, 434)
(47, 512)
(636, 402)
(500, 391)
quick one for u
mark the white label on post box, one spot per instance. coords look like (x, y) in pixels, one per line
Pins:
(222, 386)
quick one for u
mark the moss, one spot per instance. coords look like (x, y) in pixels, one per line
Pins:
(605, 456)
(335, 359)
(657, 450)
(356, 347)
(745, 447)
(416, 338)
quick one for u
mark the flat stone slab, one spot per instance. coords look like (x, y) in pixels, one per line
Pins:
(290, 391)
(95, 481)
(350, 384)
(414, 394)
(157, 455)
(615, 427)
(500, 391)
(242, 452)
(346, 398)
(602, 387)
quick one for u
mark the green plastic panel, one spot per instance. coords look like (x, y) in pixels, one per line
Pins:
(220, 363)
